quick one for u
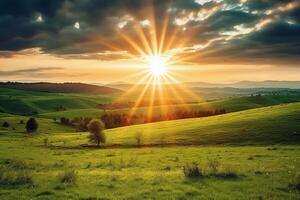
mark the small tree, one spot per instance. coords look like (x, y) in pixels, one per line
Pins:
(5, 124)
(31, 125)
(96, 128)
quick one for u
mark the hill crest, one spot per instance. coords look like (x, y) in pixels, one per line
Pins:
(68, 87)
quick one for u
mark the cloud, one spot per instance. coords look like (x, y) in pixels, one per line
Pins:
(29, 71)
(215, 30)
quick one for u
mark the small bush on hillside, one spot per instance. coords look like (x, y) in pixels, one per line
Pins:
(295, 183)
(5, 124)
(46, 141)
(11, 178)
(31, 125)
(192, 170)
(138, 138)
(96, 128)
(21, 122)
(65, 121)
(69, 176)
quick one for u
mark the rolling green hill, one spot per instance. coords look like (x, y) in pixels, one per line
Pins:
(25, 103)
(270, 125)
(46, 126)
(80, 88)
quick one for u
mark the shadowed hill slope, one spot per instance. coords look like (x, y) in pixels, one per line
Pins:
(61, 87)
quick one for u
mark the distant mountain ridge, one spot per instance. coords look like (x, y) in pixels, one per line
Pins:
(60, 87)
(249, 84)
(240, 84)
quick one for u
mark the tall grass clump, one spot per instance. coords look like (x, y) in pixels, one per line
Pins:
(211, 169)
(139, 139)
(68, 176)
(16, 164)
(213, 166)
(13, 178)
(192, 170)
(295, 183)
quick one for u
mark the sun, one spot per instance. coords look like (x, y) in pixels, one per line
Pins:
(157, 65)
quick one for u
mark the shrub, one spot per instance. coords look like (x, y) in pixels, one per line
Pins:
(21, 122)
(96, 128)
(10, 178)
(46, 141)
(138, 138)
(295, 183)
(69, 176)
(31, 125)
(5, 124)
(192, 170)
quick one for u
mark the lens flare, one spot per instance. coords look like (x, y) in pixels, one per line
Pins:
(157, 65)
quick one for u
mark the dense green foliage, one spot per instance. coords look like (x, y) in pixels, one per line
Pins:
(31, 125)
(96, 128)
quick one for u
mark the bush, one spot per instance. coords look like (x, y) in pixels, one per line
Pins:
(31, 125)
(5, 124)
(138, 138)
(46, 141)
(96, 128)
(10, 178)
(295, 183)
(68, 176)
(21, 122)
(192, 170)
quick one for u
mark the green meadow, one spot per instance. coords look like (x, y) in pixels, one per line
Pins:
(250, 152)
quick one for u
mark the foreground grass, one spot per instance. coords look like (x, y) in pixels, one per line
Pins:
(146, 173)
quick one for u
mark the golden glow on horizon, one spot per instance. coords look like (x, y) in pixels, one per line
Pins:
(153, 46)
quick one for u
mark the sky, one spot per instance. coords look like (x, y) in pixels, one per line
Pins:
(105, 41)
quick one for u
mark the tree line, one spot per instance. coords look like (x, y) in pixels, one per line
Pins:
(114, 120)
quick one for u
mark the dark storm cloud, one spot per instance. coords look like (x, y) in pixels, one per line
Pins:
(227, 19)
(49, 25)
(265, 4)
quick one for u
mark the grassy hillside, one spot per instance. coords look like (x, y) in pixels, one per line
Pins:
(58, 105)
(46, 126)
(144, 173)
(25, 103)
(51, 164)
(270, 125)
(61, 87)
(229, 104)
